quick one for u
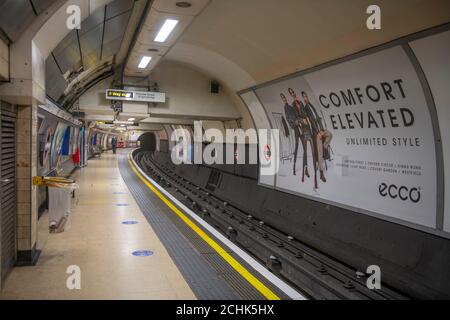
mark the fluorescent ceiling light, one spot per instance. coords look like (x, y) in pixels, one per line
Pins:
(144, 62)
(131, 119)
(123, 122)
(166, 30)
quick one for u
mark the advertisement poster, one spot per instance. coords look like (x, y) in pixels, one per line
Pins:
(358, 134)
(433, 54)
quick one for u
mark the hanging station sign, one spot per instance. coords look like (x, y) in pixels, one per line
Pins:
(139, 96)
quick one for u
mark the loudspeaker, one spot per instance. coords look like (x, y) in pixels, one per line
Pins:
(215, 87)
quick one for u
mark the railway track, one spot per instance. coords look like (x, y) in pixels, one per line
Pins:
(314, 274)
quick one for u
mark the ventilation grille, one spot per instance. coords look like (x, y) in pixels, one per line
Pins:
(8, 186)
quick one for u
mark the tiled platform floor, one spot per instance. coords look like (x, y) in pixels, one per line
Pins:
(96, 240)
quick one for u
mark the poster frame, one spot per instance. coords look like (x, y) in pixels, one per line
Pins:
(402, 42)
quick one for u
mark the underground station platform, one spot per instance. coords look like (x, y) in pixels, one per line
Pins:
(121, 228)
(224, 158)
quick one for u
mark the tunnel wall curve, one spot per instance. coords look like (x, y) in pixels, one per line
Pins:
(398, 163)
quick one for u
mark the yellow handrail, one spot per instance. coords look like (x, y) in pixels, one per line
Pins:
(56, 182)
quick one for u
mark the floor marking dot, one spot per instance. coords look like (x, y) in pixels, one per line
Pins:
(142, 253)
(129, 222)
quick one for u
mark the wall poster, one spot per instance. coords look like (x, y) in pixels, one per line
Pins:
(358, 134)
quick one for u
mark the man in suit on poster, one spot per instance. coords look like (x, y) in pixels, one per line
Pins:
(321, 137)
(305, 135)
(291, 119)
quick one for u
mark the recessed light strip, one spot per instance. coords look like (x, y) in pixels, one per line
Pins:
(144, 62)
(166, 30)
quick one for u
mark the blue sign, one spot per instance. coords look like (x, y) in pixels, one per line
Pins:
(143, 253)
(130, 222)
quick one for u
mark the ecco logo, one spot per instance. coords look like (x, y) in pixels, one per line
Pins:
(402, 193)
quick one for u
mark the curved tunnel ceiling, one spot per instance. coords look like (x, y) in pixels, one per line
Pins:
(87, 53)
(160, 11)
(17, 15)
(240, 43)
(249, 42)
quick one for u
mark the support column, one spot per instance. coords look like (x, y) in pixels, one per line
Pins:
(26, 88)
(27, 211)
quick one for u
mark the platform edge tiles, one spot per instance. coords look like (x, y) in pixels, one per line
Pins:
(256, 276)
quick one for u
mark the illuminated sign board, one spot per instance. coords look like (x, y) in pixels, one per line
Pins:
(140, 96)
(115, 94)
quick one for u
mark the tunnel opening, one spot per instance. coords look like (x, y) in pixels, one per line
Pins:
(148, 141)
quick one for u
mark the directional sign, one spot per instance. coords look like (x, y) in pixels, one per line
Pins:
(130, 95)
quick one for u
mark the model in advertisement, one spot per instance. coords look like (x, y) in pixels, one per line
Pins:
(292, 117)
(302, 122)
(308, 127)
(321, 137)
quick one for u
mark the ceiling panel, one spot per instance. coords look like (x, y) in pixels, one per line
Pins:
(70, 39)
(170, 6)
(93, 21)
(114, 32)
(152, 49)
(15, 17)
(273, 41)
(93, 31)
(90, 59)
(118, 7)
(116, 27)
(54, 81)
(111, 48)
(69, 58)
(154, 23)
(91, 43)
(132, 69)
(42, 5)
(161, 11)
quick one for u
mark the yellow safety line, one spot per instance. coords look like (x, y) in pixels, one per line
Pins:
(266, 292)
